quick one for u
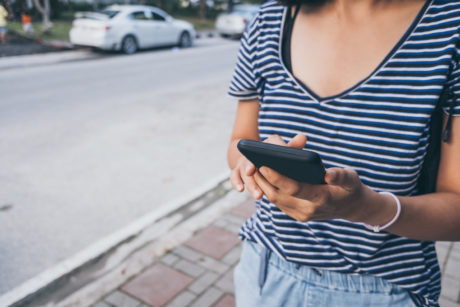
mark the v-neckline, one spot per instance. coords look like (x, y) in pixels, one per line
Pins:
(347, 91)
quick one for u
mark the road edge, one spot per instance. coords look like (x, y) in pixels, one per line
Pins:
(68, 54)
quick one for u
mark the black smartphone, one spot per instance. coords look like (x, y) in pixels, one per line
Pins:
(298, 164)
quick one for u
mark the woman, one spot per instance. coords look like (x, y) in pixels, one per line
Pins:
(3, 29)
(356, 81)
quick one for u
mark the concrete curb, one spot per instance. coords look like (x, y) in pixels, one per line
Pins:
(66, 278)
(40, 59)
(206, 34)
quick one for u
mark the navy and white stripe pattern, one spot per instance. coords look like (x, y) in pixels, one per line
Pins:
(379, 128)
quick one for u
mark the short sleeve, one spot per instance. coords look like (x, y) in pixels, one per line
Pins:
(244, 84)
(452, 104)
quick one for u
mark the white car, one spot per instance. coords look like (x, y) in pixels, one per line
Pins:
(128, 28)
(233, 24)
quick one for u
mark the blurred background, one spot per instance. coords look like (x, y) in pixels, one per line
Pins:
(108, 111)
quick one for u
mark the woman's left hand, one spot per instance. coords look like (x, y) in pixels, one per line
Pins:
(344, 196)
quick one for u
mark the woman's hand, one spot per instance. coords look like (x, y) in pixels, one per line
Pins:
(242, 175)
(344, 196)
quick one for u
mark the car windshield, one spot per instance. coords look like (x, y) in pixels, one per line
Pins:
(110, 13)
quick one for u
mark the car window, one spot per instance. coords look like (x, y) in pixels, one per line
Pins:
(110, 13)
(158, 17)
(139, 15)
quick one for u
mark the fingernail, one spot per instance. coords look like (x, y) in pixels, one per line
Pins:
(248, 168)
(263, 171)
(256, 194)
(239, 187)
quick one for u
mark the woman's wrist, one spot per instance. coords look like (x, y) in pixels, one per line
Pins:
(376, 209)
(397, 204)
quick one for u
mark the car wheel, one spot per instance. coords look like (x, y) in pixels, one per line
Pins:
(185, 40)
(129, 45)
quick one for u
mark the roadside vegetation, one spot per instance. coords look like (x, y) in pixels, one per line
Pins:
(60, 28)
(61, 15)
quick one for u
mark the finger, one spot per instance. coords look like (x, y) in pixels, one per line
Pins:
(285, 184)
(249, 168)
(275, 139)
(299, 141)
(346, 178)
(251, 186)
(300, 210)
(268, 189)
(235, 179)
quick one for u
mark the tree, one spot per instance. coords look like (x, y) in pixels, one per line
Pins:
(169, 6)
(202, 9)
(44, 9)
(230, 5)
(8, 7)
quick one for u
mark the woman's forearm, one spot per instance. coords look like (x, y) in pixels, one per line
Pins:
(245, 127)
(431, 217)
(434, 217)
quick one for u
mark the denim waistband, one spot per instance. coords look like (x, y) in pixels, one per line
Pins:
(360, 283)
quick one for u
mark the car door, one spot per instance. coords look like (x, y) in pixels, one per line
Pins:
(143, 28)
(165, 31)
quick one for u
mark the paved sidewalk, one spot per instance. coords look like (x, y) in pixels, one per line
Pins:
(198, 273)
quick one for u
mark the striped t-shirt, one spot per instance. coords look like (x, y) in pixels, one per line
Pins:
(379, 127)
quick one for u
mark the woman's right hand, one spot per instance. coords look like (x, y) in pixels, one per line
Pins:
(243, 176)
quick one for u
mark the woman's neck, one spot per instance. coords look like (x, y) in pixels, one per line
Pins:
(351, 8)
(357, 11)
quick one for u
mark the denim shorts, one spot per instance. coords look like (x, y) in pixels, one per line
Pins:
(3, 30)
(263, 279)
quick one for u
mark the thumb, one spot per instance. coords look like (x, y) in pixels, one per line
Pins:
(343, 177)
(298, 141)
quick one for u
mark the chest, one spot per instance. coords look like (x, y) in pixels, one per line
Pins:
(330, 55)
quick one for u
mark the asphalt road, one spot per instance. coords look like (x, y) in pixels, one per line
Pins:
(86, 147)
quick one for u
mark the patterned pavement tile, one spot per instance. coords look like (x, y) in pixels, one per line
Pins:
(226, 301)
(245, 209)
(183, 299)
(210, 297)
(450, 288)
(158, 285)
(213, 241)
(121, 299)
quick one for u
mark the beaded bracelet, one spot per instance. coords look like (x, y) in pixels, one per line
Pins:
(395, 218)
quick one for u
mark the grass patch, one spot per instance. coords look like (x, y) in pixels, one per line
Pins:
(59, 30)
(198, 23)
